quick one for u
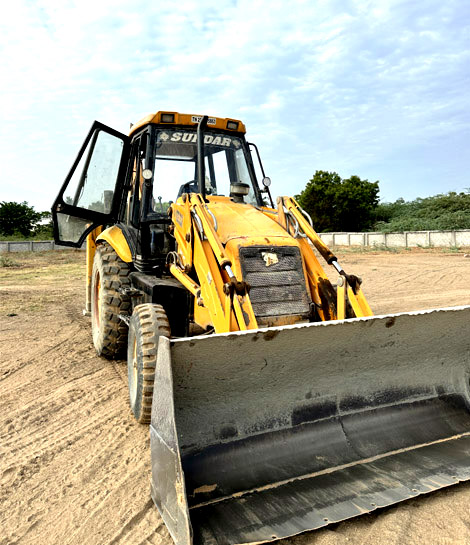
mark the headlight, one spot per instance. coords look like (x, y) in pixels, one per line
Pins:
(168, 118)
(232, 125)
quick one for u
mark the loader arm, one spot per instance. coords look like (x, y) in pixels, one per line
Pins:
(201, 252)
(297, 222)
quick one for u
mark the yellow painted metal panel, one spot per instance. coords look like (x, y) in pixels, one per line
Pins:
(90, 256)
(115, 237)
(191, 120)
(242, 221)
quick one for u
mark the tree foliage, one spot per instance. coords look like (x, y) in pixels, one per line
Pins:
(20, 219)
(440, 212)
(337, 204)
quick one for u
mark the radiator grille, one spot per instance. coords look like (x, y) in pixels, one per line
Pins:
(278, 289)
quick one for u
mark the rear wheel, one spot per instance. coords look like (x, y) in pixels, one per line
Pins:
(147, 323)
(109, 275)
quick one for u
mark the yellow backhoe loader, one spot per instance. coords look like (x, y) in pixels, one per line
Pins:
(277, 403)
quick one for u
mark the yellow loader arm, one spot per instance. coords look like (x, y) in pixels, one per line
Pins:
(203, 266)
(297, 222)
(221, 293)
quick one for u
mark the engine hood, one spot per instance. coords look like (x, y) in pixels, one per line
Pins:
(243, 221)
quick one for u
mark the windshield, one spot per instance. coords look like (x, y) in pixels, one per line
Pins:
(176, 166)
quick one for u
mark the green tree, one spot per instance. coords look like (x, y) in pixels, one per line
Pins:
(18, 218)
(337, 204)
(444, 211)
(44, 229)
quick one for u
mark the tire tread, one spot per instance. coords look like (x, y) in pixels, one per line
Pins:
(150, 322)
(111, 342)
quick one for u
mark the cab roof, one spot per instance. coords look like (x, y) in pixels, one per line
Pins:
(190, 120)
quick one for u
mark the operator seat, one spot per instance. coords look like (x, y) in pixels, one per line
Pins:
(189, 187)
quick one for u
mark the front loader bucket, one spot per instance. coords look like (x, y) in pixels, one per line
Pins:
(264, 434)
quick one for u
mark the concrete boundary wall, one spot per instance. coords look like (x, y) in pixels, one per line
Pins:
(407, 239)
(31, 246)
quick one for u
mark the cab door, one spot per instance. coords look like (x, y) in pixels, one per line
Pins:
(93, 190)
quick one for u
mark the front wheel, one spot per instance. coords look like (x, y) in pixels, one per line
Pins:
(147, 323)
(110, 274)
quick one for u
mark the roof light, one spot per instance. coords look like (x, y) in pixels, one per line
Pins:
(232, 125)
(168, 118)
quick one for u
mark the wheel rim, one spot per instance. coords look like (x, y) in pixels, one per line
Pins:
(96, 299)
(133, 375)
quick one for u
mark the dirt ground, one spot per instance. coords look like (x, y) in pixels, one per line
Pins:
(74, 466)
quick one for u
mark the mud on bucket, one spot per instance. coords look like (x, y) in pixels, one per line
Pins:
(264, 434)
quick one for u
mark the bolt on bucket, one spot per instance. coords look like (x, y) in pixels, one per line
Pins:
(261, 435)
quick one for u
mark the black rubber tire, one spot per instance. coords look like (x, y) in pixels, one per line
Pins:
(147, 323)
(109, 274)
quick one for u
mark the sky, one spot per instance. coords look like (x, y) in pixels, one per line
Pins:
(378, 89)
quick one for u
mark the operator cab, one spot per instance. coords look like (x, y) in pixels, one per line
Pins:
(226, 167)
(132, 180)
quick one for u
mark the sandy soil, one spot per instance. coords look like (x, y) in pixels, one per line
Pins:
(74, 466)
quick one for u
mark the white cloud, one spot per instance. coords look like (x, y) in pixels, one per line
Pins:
(346, 86)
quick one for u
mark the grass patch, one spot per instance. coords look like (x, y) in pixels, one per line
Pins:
(380, 249)
(6, 261)
(376, 248)
(425, 246)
